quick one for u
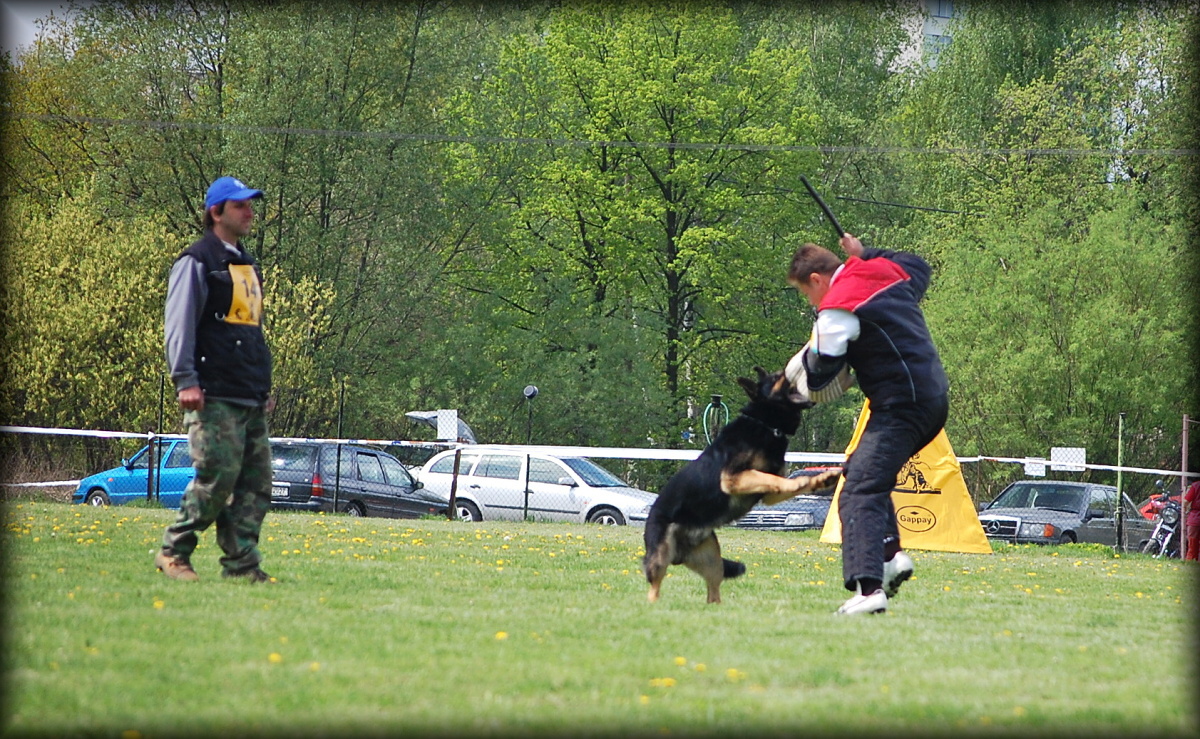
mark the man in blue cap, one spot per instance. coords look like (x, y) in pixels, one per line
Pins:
(221, 368)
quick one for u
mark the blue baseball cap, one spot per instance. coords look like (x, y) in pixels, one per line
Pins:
(229, 188)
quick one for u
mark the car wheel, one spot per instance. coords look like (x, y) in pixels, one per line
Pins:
(1066, 538)
(606, 516)
(355, 510)
(468, 511)
(96, 497)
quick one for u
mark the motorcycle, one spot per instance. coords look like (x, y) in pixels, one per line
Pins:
(1164, 541)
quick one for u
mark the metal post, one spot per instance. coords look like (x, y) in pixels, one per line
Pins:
(1120, 490)
(150, 467)
(341, 407)
(1183, 486)
(162, 390)
(337, 470)
(158, 467)
(452, 513)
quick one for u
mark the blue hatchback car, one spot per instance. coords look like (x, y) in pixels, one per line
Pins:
(128, 482)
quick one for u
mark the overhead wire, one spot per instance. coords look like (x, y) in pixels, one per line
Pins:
(585, 143)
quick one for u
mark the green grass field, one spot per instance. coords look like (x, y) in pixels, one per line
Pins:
(433, 627)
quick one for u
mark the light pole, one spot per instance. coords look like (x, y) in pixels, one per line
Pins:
(531, 392)
(1120, 490)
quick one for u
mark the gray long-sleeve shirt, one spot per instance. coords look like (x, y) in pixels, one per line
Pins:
(187, 292)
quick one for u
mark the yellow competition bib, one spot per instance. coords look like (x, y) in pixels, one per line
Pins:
(246, 306)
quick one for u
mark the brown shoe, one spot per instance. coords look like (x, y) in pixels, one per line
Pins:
(174, 567)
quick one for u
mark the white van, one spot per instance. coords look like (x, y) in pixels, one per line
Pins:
(507, 485)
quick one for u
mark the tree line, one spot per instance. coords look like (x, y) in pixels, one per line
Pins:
(601, 199)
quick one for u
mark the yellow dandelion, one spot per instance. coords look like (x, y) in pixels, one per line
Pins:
(700, 667)
(681, 661)
(644, 700)
(314, 666)
(734, 675)
(275, 658)
(159, 604)
(1020, 710)
(662, 682)
(501, 635)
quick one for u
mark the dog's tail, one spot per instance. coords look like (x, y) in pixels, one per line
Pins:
(733, 568)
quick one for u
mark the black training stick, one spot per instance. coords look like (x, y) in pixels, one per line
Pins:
(828, 213)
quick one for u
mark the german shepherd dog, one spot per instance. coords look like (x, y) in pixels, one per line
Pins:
(742, 466)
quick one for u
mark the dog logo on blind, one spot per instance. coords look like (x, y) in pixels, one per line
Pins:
(913, 479)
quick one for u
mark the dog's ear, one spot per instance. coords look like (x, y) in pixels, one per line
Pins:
(795, 396)
(762, 374)
(750, 386)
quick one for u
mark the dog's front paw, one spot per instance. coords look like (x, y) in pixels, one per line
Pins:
(819, 482)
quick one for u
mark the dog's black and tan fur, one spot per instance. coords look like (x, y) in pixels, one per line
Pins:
(742, 466)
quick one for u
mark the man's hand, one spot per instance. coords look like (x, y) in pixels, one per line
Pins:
(851, 245)
(270, 404)
(191, 398)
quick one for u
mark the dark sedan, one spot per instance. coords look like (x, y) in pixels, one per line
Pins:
(795, 514)
(1058, 512)
(312, 476)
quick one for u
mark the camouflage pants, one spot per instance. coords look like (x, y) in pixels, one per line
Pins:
(232, 488)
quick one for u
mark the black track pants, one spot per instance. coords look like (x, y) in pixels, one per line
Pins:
(892, 435)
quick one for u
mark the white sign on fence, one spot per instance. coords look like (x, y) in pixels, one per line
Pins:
(1035, 467)
(447, 424)
(1068, 458)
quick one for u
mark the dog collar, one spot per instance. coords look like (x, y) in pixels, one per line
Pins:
(765, 425)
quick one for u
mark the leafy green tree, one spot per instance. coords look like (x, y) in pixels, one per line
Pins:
(600, 199)
(1046, 128)
(633, 242)
(82, 316)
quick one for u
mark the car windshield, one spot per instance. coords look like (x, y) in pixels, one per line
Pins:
(1052, 497)
(291, 457)
(593, 474)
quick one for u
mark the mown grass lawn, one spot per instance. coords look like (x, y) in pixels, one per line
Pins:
(430, 627)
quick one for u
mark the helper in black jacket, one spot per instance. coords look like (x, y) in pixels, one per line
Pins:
(869, 321)
(221, 368)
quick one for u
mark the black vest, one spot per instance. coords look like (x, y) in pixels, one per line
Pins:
(232, 357)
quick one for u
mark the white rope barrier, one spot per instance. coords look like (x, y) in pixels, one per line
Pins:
(560, 451)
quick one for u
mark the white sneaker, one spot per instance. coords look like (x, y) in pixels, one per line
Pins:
(871, 603)
(895, 571)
